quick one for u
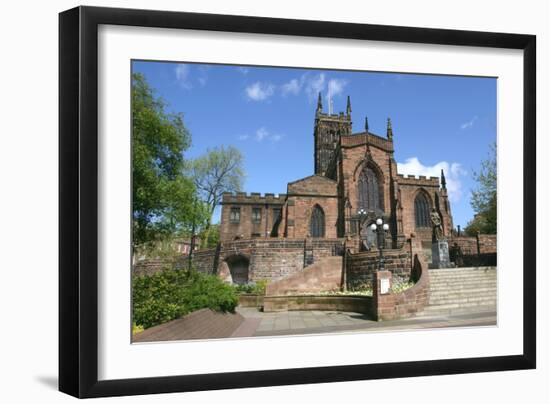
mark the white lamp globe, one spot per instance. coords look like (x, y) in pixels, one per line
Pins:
(386, 227)
(379, 221)
(373, 227)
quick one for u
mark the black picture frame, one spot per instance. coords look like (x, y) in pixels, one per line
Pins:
(78, 201)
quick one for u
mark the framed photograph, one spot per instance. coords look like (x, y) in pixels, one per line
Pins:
(249, 201)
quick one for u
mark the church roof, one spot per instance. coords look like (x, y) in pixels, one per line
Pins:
(313, 185)
(358, 139)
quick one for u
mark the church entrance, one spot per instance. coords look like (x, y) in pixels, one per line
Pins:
(238, 268)
(368, 236)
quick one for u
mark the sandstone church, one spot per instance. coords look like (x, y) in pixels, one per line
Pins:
(355, 181)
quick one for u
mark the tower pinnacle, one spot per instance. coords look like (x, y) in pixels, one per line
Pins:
(389, 130)
(443, 180)
(348, 107)
(366, 124)
(319, 103)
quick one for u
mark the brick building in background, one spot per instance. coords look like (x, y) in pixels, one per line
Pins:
(355, 181)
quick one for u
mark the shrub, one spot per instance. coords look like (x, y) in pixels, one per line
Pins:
(255, 288)
(172, 293)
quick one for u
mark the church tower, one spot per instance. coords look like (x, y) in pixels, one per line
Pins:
(327, 131)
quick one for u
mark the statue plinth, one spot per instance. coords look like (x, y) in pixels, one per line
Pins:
(440, 254)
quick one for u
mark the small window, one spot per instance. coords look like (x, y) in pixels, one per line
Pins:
(256, 215)
(235, 215)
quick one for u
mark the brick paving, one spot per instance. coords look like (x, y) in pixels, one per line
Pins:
(249, 322)
(201, 324)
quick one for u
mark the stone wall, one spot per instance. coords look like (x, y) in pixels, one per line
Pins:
(468, 251)
(274, 259)
(356, 304)
(324, 275)
(204, 260)
(246, 227)
(302, 196)
(151, 266)
(394, 306)
(361, 266)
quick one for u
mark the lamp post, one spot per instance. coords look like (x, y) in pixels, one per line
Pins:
(380, 228)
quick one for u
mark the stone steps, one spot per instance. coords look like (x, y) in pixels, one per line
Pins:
(461, 291)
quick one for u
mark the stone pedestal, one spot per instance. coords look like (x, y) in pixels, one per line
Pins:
(383, 302)
(381, 284)
(440, 255)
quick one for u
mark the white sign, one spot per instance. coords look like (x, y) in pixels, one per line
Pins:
(384, 286)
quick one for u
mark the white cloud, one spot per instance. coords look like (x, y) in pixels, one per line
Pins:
(260, 91)
(294, 87)
(336, 86)
(315, 85)
(182, 75)
(243, 70)
(276, 138)
(261, 134)
(468, 124)
(453, 174)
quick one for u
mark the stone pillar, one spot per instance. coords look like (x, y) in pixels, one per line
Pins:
(440, 254)
(383, 301)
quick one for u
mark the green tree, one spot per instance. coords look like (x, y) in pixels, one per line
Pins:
(219, 170)
(163, 198)
(484, 197)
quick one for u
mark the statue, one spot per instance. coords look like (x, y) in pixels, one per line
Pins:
(437, 232)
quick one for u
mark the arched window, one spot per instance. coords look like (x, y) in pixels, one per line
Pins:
(422, 210)
(368, 190)
(317, 225)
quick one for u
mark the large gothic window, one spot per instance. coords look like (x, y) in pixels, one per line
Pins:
(317, 225)
(368, 190)
(422, 210)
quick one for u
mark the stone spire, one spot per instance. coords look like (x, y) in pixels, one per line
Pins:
(443, 180)
(389, 130)
(319, 103)
(348, 107)
(367, 145)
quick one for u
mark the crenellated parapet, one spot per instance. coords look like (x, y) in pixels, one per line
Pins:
(421, 180)
(252, 198)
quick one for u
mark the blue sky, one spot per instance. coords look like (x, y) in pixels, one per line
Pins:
(438, 121)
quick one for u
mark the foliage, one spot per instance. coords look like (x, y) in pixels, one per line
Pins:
(484, 197)
(211, 237)
(164, 200)
(219, 170)
(255, 288)
(399, 285)
(136, 328)
(172, 293)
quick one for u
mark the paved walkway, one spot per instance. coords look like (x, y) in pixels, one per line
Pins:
(249, 322)
(317, 322)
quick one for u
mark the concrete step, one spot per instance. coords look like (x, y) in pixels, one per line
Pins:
(462, 276)
(455, 306)
(462, 293)
(462, 286)
(462, 301)
(459, 294)
(447, 312)
(462, 270)
(466, 281)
